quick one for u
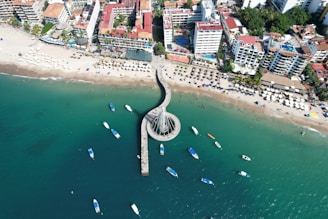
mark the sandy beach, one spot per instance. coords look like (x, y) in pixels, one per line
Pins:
(20, 53)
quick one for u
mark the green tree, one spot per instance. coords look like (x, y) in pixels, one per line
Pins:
(298, 15)
(281, 24)
(323, 94)
(27, 27)
(14, 22)
(228, 65)
(251, 18)
(189, 4)
(159, 49)
(36, 29)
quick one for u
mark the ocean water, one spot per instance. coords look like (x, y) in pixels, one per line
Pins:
(46, 127)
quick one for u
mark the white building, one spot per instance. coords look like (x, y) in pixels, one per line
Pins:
(29, 10)
(321, 51)
(173, 17)
(248, 52)
(207, 37)
(56, 13)
(85, 25)
(285, 55)
(209, 11)
(253, 3)
(285, 5)
(6, 9)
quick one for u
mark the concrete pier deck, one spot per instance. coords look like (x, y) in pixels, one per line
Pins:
(145, 124)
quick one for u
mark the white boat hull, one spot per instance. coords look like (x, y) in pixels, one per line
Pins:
(135, 209)
(96, 206)
(106, 125)
(128, 108)
(194, 130)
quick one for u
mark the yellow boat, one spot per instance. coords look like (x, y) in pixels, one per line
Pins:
(211, 136)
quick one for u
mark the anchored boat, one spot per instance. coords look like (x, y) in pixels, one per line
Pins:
(217, 144)
(115, 133)
(161, 149)
(194, 130)
(135, 209)
(128, 108)
(91, 154)
(111, 107)
(246, 157)
(172, 172)
(96, 205)
(207, 181)
(193, 153)
(244, 174)
(210, 136)
(105, 124)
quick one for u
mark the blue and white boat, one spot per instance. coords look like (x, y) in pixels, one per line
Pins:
(115, 133)
(172, 172)
(207, 181)
(244, 174)
(193, 153)
(161, 149)
(112, 107)
(91, 154)
(96, 205)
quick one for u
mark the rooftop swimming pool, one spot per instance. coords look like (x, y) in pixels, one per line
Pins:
(181, 40)
(288, 48)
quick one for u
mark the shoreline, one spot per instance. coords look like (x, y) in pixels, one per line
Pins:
(23, 56)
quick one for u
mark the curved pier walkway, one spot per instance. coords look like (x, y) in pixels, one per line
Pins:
(146, 122)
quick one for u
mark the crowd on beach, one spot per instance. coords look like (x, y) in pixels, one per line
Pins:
(22, 50)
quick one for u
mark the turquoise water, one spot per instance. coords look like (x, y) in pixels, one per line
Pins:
(47, 126)
(209, 56)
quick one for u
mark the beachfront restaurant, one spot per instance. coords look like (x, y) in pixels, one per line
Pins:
(283, 83)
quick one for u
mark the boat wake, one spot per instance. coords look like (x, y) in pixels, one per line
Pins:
(314, 130)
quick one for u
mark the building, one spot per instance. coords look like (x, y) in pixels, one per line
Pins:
(6, 9)
(56, 13)
(207, 37)
(139, 36)
(29, 10)
(321, 51)
(253, 3)
(285, 55)
(209, 11)
(86, 22)
(305, 33)
(312, 6)
(174, 17)
(232, 28)
(248, 52)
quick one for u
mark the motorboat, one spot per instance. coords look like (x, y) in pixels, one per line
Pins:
(210, 136)
(244, 174)
(112, 107)
(217, 144)
(172, 172)
(194, 130)
(246, 157)
(207, 181)
(128, 108)
(105, 124)
(303, 133)
(96, 205)
(193, 153)
(135, 209)
(161, 149)
(115, 133)
(91, 154)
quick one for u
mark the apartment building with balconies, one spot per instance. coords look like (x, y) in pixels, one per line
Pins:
(207, 37)
(248, 52)
(29, 10)
(85, 24)
(285, 55)
(321, 50)
(6, 9)
(138, 36)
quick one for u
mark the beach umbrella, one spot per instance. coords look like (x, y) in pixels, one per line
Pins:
(297, 90)
(286, 88)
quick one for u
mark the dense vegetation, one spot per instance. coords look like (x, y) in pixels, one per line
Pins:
(268, 19)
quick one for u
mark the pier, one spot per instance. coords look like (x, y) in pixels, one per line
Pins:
(159, 124)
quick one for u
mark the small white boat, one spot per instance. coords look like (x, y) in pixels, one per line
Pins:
(303, 133)
(96, 205)
(128, 108)
(244, 174)
(217, 144)
(115, 133)
(135, 209)
(172, 172)
(106, 125)
(161, 149)
(193, 153)
(246, 157)
(91, 154)
(194, 130)
(207, 181)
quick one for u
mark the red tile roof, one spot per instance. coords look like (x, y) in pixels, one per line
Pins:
(231, 23)
(248, 39)
(319, 68)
